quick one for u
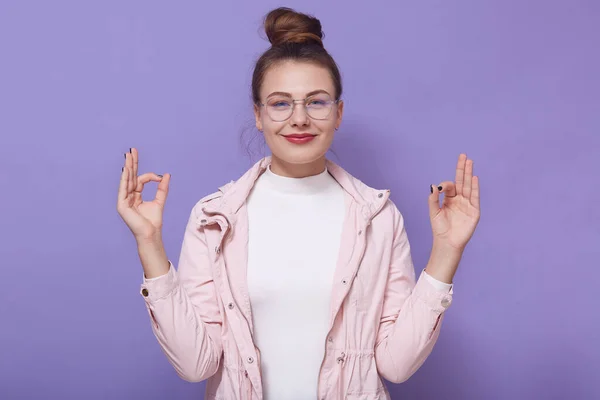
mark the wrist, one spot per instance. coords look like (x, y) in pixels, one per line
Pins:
(154, 240)
(153, 257)
(443, 262)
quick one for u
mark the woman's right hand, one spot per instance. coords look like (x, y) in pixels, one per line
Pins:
(144, 218)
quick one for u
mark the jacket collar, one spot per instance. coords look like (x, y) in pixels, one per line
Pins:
(235, 193)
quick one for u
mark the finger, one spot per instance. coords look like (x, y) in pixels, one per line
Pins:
(134, 157)
(448, 188)
(122, 195)
(128, 181)
(475, 193)
(460, 173)
(163, 190)
(434, 201)
(145, 178)
(468, 178)
(129, 165)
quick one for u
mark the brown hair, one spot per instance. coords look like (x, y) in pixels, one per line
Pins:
(294, 36)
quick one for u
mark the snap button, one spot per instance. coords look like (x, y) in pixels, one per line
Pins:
(330, 339)
(246, 374)
(145, 292)
(380, 195)
(344, 281)
(217, 250)
(230, 305)
(203, 221)
(250, 360)
(359, 233)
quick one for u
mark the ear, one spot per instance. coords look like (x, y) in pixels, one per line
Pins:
(257, 118)
(340, 113)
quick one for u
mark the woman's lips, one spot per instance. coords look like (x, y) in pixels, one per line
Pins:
(299, 138)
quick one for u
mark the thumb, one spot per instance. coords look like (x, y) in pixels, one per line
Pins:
(434, 201)
(163, 190)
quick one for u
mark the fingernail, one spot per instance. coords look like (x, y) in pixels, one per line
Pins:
(160, 176)
(130, 149)
(440, 188)
(125, 155)
(122, 168)
(431, 188)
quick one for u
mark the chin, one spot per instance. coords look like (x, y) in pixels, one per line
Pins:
(299, 156)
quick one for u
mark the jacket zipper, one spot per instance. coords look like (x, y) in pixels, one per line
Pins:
(362, 254)
(221, 245)
(258, 358)
(342, 358)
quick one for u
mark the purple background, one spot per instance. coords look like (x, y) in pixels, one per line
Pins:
(512, 83)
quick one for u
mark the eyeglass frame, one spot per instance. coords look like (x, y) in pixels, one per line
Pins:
(303, 101)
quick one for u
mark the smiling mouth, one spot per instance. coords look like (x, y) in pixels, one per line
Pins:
(300, 135)
(299, 138)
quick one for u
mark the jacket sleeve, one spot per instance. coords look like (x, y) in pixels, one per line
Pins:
(184, 310)
(411, 316)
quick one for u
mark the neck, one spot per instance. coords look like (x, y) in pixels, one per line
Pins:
(289, 170)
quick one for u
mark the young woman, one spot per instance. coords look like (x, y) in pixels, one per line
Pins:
(296, 281)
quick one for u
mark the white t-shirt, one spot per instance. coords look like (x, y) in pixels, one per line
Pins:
(295, 228)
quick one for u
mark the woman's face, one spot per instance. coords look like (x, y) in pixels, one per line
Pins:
(304, 137)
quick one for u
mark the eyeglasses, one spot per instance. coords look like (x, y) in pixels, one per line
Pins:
(281, 108)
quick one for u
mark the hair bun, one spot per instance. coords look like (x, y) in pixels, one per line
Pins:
(284, 25)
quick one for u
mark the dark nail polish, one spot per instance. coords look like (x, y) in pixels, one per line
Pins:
(431, 188)
(122, 168)
(125, 155)
(160, 176)
(440, 188)
(130, 149)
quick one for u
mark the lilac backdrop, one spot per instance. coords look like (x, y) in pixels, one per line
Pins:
(512, 83)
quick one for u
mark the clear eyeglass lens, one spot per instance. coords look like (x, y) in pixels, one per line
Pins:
(281, 108)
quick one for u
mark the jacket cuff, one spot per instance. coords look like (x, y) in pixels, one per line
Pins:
(437, 300)
(439, 285)
(156, 288)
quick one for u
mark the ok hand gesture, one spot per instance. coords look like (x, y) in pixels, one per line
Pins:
(454, 223)
(144, 218)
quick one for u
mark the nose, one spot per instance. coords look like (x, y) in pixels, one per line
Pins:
(299, 116)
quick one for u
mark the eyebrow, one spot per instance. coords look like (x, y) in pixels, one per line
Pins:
(290, 95)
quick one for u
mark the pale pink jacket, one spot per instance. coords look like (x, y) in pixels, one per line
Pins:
(383, 323)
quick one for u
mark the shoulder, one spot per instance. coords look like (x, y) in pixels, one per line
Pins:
(232, 192)
(391, 212)
(389, 220)
(213, 198)
(395, 214)
(210, 197)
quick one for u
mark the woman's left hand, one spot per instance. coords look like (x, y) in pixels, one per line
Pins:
(454, 223)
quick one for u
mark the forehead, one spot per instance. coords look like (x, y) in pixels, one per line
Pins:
(297, 78)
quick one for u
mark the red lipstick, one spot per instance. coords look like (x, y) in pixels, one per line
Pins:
(299, 138)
